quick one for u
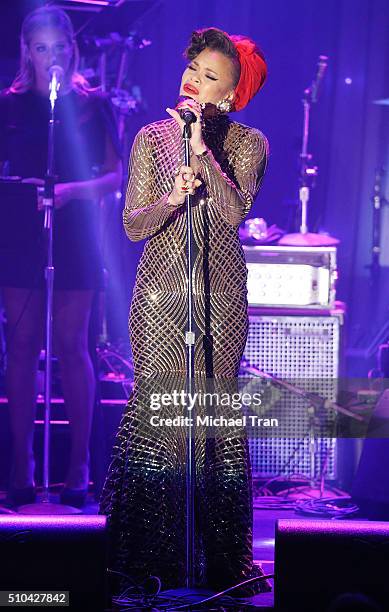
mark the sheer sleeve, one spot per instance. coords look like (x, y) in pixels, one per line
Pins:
(232, 199)
(145, 210)
(110, 125)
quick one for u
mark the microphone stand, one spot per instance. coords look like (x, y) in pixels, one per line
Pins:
(190, 345)
(45, 506)
(190, 337)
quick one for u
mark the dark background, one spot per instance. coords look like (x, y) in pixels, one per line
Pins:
(349, 133)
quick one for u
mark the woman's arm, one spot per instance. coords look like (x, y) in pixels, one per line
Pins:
(146, 210)
(233, 201)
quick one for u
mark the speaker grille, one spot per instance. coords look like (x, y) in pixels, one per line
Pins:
(303, 350)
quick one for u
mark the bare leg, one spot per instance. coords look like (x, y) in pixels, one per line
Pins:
(71, 322)
(25, 312)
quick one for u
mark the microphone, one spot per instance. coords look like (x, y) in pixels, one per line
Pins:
(186, 115)
(321, 68)
(56, 75)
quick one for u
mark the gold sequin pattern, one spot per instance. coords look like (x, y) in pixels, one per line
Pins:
(144, 493)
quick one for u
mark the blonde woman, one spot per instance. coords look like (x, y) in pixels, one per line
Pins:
(87, 166)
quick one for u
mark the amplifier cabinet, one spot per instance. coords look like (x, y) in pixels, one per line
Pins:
(303, 349)
(291, 276)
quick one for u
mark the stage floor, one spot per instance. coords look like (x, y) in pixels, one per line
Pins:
(263, 541)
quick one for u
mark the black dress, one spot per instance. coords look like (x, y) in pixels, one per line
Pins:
(82, 125)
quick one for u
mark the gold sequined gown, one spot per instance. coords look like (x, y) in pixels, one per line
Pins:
(144, 493)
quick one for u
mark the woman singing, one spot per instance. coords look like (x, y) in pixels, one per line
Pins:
(87, 166)
(144, 494)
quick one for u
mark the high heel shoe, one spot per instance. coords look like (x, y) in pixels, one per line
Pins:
(78, 476)
(73, 497)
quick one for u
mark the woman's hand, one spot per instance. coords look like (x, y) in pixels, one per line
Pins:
(63, 193)
(196, 140)
(184, 183)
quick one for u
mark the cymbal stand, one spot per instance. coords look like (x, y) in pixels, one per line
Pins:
(308, 171)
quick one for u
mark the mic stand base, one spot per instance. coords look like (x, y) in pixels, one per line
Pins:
(191, 598)
(46, 508)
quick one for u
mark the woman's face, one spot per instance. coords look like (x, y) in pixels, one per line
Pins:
(208, 78)
(49, 47)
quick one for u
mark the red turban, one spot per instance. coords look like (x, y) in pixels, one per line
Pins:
(253, 71)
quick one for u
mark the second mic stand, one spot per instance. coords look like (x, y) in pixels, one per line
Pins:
(46, 506)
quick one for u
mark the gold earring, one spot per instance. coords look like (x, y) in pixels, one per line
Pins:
(224, 106)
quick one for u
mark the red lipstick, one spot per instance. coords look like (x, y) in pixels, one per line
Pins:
(190, 89)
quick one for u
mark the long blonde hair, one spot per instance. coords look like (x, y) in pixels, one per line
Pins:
(42, 18)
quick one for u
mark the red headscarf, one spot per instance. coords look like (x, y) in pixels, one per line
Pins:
(253, 71)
